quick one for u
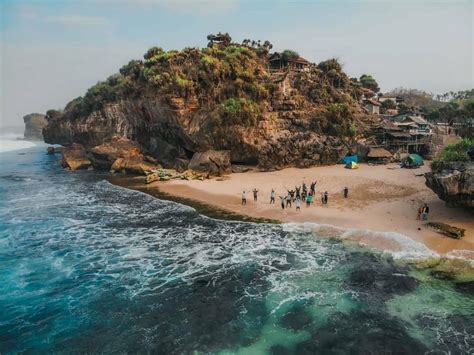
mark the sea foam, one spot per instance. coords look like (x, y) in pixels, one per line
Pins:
(397, 244)
(13, 141)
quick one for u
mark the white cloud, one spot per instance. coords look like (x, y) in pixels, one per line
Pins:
(75, 20)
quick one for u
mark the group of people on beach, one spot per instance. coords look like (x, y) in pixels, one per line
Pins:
(297, 196)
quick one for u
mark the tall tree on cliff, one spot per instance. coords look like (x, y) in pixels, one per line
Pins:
(368, 82)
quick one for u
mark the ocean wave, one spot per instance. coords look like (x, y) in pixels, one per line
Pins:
(398, 245)
(13, 141)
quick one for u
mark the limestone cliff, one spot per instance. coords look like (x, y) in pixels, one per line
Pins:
(34, 124)
(224, 97)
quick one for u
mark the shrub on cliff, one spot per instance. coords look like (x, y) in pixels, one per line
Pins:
(340, 121)
(240, 111)
(457, 152)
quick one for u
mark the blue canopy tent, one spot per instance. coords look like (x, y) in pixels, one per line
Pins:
(349, 159)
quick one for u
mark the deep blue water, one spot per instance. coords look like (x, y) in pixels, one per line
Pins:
(86, 266)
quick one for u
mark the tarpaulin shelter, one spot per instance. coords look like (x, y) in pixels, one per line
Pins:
(350, 158)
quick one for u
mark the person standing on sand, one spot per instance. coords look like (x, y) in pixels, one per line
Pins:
(272, 197)
(298, 204)
(298, 192)
(313, 187)
(255, 192)
(420, 211)
(282, 199)
(308, 200)
(244, 198)
(288, 200)
(326, 197)
(346, 192)
(425, 211)
(291, 193)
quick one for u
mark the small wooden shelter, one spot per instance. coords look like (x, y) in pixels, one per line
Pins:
(379, 155)
(279, 61)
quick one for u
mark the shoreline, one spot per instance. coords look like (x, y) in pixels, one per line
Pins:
(380, 211)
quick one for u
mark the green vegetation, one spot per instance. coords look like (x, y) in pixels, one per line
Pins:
(368, 82)
(289, 54)
(240, 111)
(331, 64)
(387, 105)
(340, 121)
(227, 84)
(454, 153)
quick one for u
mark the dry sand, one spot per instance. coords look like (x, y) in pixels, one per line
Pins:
(381, 199)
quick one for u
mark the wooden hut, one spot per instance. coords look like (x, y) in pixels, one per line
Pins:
(379, 156)
(279, 61)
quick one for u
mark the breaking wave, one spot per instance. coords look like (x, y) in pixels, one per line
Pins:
(13, 141)
(93, 267)
(399, 245)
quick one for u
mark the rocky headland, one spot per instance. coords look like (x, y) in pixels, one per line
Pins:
(34, 124)
(453, 183)
(452, 174)
(209, 108)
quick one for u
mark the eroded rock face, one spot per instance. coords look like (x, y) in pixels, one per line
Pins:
(119, 154)
(453, 183)
(289, 132)
(212, 161)
(302, 150)
(75, 157)
(104, 155)
(34, 124)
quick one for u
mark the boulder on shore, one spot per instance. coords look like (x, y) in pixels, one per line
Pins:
(215, 162)
(103, 156)
(120, 154)
(132, 165)
(453, 183)
(75, 157)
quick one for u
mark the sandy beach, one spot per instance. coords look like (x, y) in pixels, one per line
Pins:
(382, 200)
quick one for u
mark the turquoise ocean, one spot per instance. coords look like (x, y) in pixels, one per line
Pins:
(89, 267)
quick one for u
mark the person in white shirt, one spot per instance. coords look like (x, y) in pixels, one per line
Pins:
(298, 204)
(244, 198)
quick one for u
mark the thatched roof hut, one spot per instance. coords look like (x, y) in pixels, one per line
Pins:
(379, 153)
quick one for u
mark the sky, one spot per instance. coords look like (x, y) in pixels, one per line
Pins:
(51, 51)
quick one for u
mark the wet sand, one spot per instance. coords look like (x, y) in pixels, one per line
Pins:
(381, 199)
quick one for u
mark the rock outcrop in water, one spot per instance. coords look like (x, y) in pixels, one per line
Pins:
(34, 124)
(176, 104)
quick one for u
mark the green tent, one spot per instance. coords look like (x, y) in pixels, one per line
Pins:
(415, 160)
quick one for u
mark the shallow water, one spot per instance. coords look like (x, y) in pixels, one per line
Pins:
(87, 266)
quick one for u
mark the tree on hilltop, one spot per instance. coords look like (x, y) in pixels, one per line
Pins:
(223, 39)
(369, 82)
(289, 54)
